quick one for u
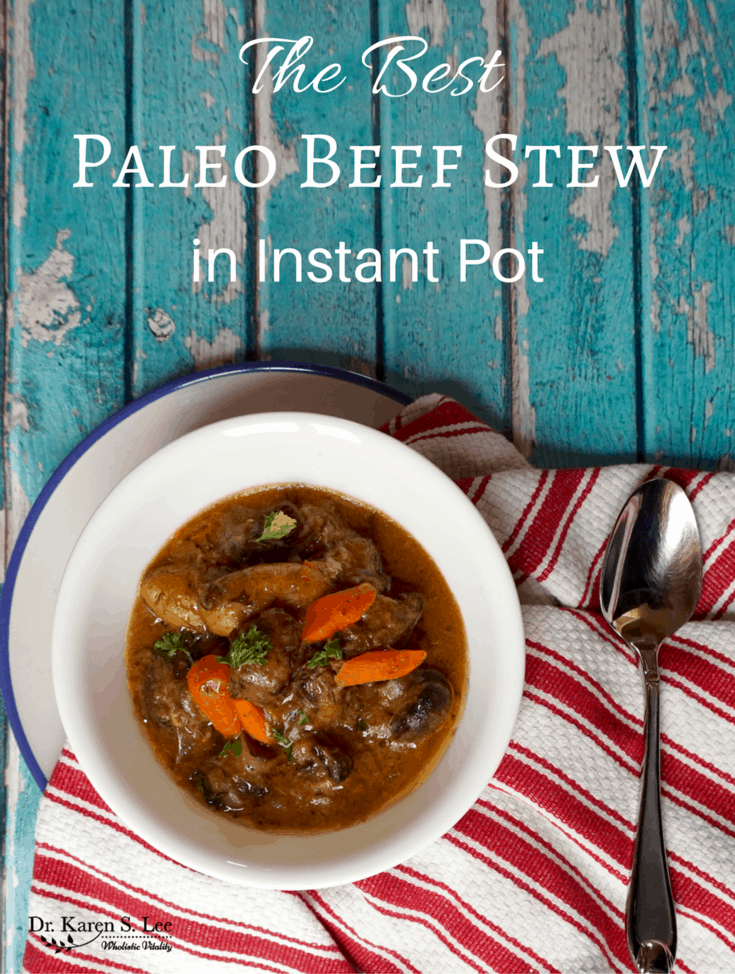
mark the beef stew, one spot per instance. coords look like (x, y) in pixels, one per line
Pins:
(296, 659)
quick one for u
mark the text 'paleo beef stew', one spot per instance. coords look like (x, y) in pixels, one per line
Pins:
(296, 659)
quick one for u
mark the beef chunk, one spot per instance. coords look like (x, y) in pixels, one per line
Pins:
(320, 528)
(235, 535)
(388, 622)
(356, 560)
(235, 542)
(316, 693)
(167, 703)
(261, 683)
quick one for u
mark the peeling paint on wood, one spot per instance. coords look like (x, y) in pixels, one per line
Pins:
(523, 413)
(698, 334)
(22, 804)
(47, 306)
(334, 322)
(161, 324)
(594, 82)
(214, 15)
(430, 15)
(16, 412)
(203, 102)
(227, 229)
(586, 302)
(66, 283)
(442, 334)
(487, 115)
(553, 364)
(265, 130)
(686, 61)
(220, 351)
(591, 94)
(24, 71)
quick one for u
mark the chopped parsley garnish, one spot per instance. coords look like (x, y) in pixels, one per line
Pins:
(332, 649)
(248, 647)
(280, 737)
(171, 643)
(303, 718)
(234, 745)
(361, 725)
(277, 525)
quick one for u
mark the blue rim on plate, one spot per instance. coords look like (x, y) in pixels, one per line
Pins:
(16, 557)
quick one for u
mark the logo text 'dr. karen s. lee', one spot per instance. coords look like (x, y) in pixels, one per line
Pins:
(67, 933)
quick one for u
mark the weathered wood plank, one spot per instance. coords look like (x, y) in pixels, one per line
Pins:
(21, 810)
(686, 79)
(4, 728)
(442, 333)
(189, 89)
(574, 352)
(66, 311)
(4, 216)
(332, 322)
(66, 246)
(5, 735)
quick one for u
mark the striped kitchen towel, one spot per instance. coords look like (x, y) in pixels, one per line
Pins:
(534, 876)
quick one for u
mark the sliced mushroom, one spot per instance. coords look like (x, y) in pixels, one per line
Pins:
(231, 788)
(322, 755)
(432, 700)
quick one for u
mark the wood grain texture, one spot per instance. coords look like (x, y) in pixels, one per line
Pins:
(4, 219)
(445, 334)
(574, 342)
(65, 333)
(188, 89)
(22, 797)
(624, 349)
(686, 75)
(332, 322)
(66, 339)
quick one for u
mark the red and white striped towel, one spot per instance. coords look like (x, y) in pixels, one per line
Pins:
(533, 878)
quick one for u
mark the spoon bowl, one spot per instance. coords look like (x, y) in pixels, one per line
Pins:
(649, 587)
(652, 573)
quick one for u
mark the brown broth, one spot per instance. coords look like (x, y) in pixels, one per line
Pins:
(384, 770)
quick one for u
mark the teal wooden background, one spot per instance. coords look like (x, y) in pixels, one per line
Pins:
(624, 352)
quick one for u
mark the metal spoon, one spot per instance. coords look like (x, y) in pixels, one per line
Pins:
(650, 584)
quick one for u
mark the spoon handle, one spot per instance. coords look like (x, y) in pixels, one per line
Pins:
(650, 921)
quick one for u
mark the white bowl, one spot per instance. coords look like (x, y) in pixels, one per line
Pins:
(99, 587)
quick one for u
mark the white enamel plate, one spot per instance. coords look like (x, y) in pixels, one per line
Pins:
(91, 471)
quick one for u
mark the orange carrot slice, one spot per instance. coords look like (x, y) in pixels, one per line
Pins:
(332, 613)
(379, 664)
(207, 681)
(253, 720)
